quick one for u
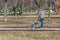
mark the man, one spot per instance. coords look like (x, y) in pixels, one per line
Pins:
(41, 17)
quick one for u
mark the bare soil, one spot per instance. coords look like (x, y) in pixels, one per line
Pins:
(27, 21)
(29, 35)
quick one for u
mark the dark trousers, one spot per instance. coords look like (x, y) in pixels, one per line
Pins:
(42, 22)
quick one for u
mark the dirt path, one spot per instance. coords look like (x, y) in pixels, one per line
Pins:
(29, 35)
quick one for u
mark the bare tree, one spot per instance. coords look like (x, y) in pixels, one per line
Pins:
(39, 4)
(22, 10)
(31, 4)
(16, 11)
(14, 7)
(48, 3)
(5, 11)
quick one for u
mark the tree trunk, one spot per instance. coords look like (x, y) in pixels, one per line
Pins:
(5, 12)
(48, 3)
(15, 9)
(31, 5)
(22, 10)
(49, 15)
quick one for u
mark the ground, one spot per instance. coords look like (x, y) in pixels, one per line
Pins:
(29, 35)
(27, 21)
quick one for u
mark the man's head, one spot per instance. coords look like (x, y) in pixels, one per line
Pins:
(40, 8)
